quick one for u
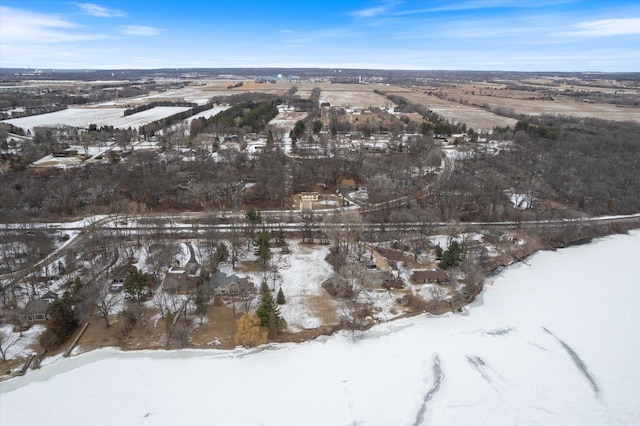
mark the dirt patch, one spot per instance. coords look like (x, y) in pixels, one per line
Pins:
(217, 330)
(323, 307)
(305, 335)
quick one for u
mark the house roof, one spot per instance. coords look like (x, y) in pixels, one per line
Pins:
(220, 279)
(435, 275)
(49, 295)
(35, 307)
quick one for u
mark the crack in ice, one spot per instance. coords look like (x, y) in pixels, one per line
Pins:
(578, 361)
(479, 364)
(438, 377)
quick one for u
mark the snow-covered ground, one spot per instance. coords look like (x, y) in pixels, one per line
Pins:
(300, 273)
(83, 117)
(554, 342)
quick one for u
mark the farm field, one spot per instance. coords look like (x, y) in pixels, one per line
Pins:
(83, 117)
(557, 107)
(286, 119)
(475, 117)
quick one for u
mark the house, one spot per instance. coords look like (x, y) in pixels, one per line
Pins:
(437, 276)
(369, 264)
(395, 282)
(119, 277)
(309, 196)
(307, 199)
(36, 310)
(117, 284)
(224, 284)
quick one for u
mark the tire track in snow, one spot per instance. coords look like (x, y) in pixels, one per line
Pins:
(438, 378)
(578, 361)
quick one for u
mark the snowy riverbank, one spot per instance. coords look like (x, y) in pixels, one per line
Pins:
(554, 341)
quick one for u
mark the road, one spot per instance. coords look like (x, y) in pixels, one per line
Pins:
(190, 224)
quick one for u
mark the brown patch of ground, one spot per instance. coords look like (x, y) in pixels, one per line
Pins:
(323, 308)
(218, 329)
(305, 335)
(145, 334)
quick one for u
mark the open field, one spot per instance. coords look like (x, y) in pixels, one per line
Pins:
(475, 117)
(547, 96)
(287, 119)
(83, 117)
(557, 107)
(353, 95)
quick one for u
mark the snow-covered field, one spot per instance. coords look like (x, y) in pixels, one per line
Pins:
(553, 342)
(83, 117)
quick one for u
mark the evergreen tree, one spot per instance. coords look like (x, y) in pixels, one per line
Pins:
(451, 256)
(269, 139)
(254, 218)
(264, 248)
(438, 252)
(298, 128)
(266, 308)
(61, 324)
(221, 254)
(280, 297)
(136, 285)
(294, 141)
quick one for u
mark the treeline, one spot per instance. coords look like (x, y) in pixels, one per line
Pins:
(561, 166)
(154, 126)
(251, 114)
(29, 111)
(135, 110)
(591, 164)
(34, 100)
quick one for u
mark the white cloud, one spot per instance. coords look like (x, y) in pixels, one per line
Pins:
(139, 30)
(607, 27)
(22, 26)
(368, 13)
(458, 6)
(99, 11)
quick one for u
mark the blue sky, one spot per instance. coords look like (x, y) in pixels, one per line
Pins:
(527, 35)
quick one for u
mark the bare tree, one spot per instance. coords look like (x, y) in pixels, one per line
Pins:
(436, 295)
(7, 341)
(160, 301)
(345, 230)
(352, 285)
(235, 240)
(106, 302)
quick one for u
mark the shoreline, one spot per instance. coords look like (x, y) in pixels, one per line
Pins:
(308, 335)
